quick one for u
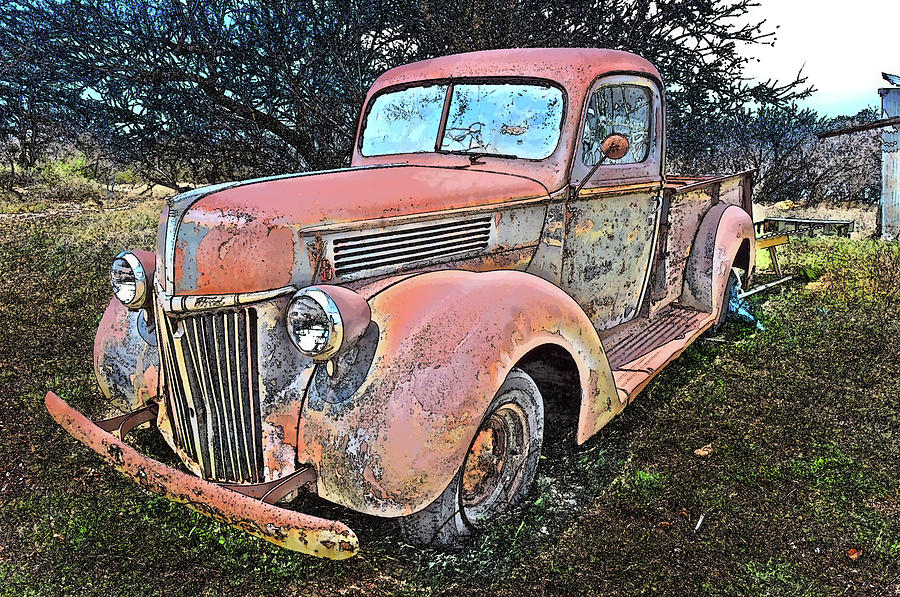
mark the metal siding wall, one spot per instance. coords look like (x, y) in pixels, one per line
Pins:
(890, 166)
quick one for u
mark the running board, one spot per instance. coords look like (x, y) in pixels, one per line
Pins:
(637, 350)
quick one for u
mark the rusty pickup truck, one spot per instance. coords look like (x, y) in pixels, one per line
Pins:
(374, 334)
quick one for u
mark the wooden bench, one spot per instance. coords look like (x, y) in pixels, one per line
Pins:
(810, 226)
(774, 232)
(770, 241)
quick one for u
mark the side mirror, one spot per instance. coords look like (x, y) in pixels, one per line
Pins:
(615, 146)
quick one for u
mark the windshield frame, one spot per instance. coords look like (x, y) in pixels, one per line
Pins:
(451, 82)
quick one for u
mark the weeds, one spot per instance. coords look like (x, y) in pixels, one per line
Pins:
(865, 275)
(67, 180)
(848, 274)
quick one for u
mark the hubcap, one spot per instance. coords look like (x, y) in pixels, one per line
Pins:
(485, 461)
(493, 469)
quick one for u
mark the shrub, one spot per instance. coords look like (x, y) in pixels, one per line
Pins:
(864, 273)
(67, 180)
(66, 169)
(850, 273)
(126, 176)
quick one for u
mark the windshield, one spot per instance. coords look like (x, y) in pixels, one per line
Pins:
(503, 119)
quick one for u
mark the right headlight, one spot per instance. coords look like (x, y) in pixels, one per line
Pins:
(323, 321)
(129, 280)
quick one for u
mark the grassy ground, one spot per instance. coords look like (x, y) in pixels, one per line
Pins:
(799, 496)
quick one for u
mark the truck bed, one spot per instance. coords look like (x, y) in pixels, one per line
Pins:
(641, 347)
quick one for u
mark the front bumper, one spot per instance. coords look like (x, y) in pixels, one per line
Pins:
(293, 530)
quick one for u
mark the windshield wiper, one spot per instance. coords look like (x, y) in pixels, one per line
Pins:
(474, 156)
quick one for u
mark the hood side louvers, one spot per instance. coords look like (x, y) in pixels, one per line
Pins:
(394, 248)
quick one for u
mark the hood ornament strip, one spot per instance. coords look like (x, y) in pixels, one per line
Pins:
(182, 304)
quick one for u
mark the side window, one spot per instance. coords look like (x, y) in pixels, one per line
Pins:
(623, 109)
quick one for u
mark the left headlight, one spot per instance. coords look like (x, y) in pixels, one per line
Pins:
(314, 324)
(323, 321)
(129, 280)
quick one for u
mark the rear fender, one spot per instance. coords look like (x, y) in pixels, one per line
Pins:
(445, 343)
(722, 232)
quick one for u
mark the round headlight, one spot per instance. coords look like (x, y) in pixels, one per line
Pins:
(129, 280)
(314, 324)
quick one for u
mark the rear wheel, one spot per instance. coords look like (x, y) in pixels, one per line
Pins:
(730, 297)
(497, 472)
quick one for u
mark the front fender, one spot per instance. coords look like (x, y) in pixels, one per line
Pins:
(722, 232)
(125, 362)
(446, 341)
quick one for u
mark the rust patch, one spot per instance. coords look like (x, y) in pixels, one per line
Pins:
(326, 270)
(242, 254)
(607, 253)
(126, 365)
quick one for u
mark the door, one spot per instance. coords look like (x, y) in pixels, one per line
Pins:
(611, 225)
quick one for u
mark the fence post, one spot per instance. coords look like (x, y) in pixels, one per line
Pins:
(890, 166)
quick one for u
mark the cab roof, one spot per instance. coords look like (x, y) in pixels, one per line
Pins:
(573, 68)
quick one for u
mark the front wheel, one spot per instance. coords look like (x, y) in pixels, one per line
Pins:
(497, 472)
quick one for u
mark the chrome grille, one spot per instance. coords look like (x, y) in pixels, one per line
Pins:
(411, 244)
(211, 372)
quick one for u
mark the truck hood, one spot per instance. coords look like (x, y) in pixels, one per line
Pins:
(255, 235)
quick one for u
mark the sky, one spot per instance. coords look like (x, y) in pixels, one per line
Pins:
(843, 47)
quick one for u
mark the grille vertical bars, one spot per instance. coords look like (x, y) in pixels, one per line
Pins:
(211, 374)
